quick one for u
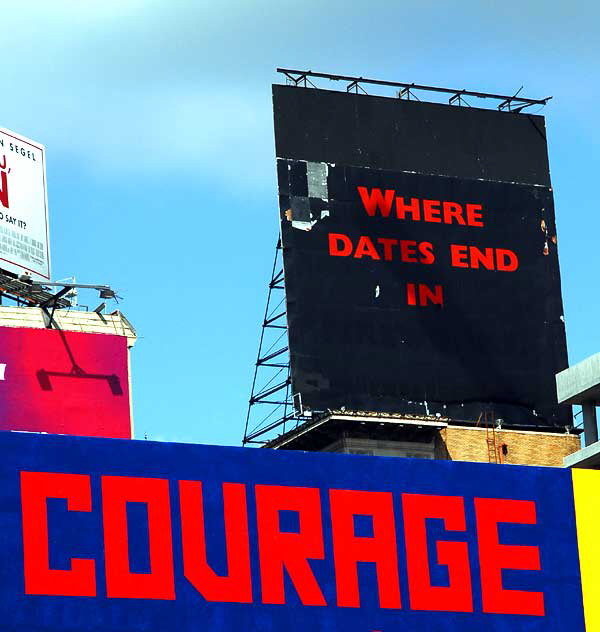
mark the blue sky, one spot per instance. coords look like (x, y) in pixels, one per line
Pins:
(156, 116)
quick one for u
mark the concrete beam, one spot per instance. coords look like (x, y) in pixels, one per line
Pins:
(588, 458)
(580, 383)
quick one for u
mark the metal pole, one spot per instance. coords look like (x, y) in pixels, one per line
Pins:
(590, 424)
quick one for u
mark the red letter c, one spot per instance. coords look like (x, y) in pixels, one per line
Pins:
(40, 579)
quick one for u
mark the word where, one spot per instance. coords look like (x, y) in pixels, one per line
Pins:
(436, 211)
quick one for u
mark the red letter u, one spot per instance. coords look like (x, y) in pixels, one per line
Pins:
(236, 586)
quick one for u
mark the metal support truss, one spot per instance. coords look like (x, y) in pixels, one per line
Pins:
(407, 93)
(407, 90)
(25, 292)
(271, 404)
(354, 86)
(299, 79)
(459, 99)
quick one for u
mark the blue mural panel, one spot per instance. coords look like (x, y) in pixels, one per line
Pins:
(121, 536)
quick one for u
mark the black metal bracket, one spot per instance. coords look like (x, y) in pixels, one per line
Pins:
(407, 93)
(51, 304)
(355, 86)
(458, 99)
(299, 79)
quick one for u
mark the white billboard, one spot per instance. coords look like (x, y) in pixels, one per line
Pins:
(24, 241)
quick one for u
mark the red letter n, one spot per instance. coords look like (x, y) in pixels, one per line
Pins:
(457, 596)
(159, 583)
(348, 548)
(236, 586)
(494, 557)
(426, 295)
(373, 200)
(290, 551)
(40, 579)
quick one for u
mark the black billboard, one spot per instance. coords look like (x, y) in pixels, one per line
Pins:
(420, 258)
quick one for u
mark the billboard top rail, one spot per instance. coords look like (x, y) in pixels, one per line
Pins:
(513, 103)
(48, 295)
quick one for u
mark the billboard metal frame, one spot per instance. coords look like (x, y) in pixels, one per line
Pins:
(48, 296)
(512, 103)
(274, 389)
(271, 405)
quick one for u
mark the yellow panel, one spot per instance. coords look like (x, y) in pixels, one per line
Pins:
(586, 487)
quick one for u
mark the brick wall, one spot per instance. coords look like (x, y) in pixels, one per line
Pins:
(458, 443)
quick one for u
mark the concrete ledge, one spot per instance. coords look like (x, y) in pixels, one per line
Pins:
(579, 383)
(588, 457)
(70, 320)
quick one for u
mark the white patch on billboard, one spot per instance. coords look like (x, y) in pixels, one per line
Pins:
(24, 241)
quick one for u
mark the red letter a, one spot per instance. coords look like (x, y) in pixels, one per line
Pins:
(348, 549)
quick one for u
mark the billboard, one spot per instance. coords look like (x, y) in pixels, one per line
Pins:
(24, 236)
(64, 382)
(420, 258)
(124, 536)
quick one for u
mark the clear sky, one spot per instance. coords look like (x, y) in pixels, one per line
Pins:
(157, 121)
